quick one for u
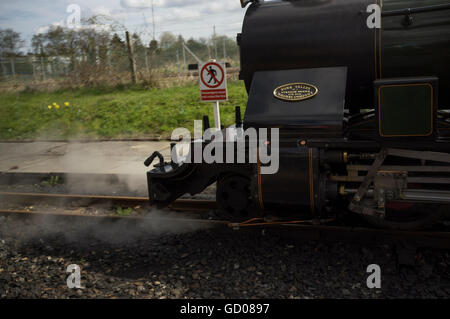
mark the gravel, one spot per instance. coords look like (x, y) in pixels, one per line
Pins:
(132, 262)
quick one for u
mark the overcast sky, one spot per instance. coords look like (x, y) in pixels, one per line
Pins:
(190, 18)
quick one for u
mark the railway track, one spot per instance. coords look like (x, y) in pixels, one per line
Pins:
(180, 204)
(305, 230)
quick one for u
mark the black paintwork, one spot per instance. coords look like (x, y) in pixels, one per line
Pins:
(281, 35)
(420, 49)
(289, 187)
(326, 43)
(321, 114)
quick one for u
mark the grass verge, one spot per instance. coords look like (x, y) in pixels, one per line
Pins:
(109, 113)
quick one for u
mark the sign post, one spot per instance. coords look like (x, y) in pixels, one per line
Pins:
(213, 86)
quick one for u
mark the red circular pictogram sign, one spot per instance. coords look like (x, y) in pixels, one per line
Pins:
(205, 67)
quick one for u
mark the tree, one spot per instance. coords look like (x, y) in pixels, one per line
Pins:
(117, 44)
(38, 42)
(139, 48)
(153, 46)
(167, 40)
(10, 43)
(199, 47)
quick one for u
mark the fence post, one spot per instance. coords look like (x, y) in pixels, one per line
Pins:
(32, 66)
(109, 62)
(42, 68)
(224, 50)
(146, 61)
(13, 68)
(5, 74)
(184, 56)
(131, 57)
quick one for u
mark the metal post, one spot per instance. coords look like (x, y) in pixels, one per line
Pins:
(153, 20)
(146, 62)
(184, 56)
(109, 62)
(13, 69)
(215, 43)
(192, 53)
(32, 65)
(224, 50)
(42, 69)
(217, 115)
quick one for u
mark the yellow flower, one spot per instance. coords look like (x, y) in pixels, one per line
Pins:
(49, 107)
(56, 106)
(66, 103)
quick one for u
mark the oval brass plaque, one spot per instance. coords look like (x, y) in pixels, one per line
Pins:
(294, 92)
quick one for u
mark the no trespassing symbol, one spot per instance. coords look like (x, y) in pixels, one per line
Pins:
(213, 82)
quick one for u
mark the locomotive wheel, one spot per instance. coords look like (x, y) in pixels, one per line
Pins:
(233, 197)
(408, 217)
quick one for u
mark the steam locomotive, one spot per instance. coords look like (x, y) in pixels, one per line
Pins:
(359, 91)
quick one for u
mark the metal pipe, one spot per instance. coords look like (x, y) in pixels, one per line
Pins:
(407, 11)
(427, 195)
(410, 194)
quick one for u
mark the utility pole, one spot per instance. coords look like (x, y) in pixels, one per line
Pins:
(153, 20)
(215, 42)
(145, 49)
(224, 49)
(131, 57)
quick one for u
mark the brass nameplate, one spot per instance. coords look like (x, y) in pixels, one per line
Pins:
(294, 92)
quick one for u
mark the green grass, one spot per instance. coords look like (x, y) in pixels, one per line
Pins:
(123, 211)
(109, 113)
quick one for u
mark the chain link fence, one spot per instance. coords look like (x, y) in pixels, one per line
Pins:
(108, 68)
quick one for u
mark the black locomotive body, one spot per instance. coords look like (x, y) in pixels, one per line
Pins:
(362, 109)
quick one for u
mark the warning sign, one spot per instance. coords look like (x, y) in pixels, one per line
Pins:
(213, 81)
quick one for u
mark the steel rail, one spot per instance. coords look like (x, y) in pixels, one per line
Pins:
(112, 217)
(180, 204)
